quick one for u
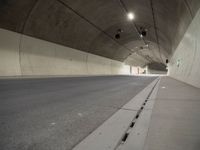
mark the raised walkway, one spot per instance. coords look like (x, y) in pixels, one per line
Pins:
(164, 116)
(175, 123)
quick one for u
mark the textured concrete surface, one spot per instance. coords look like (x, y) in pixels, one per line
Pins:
(57, 113)
(175, 118)
(9, 53)
(185, 62)
(24, 55)
(91, 25)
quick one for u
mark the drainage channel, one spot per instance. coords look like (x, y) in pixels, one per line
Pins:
(133, 122)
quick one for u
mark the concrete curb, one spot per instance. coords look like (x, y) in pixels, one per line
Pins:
(110, 134)
(138, 134)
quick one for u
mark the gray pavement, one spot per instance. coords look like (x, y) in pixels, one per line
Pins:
(175, 123)
(57, 113)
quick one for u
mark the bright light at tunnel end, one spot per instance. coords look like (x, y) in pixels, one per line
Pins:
(130, 16)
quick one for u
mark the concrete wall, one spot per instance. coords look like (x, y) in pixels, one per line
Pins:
(24, 55)
(185, 63)
(150, 71)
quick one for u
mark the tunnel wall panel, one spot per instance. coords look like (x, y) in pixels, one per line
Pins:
(119, 68)
(24, 55)
(9, 53)
(44, 58)
(98, 65)
(185, 62)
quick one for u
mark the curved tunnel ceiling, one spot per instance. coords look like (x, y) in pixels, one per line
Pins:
(91, 25)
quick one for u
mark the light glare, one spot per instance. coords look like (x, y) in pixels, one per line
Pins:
(131, 16)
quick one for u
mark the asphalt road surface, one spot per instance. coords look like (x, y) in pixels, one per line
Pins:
(57, 113)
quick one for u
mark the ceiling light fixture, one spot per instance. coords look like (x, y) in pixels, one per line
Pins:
(117, 35)
(130, 16)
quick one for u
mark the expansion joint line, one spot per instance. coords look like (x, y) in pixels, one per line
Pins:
(93, 24)
(189, 9)
(98, 28)
(155, 29)
(125, 9)
(123, 6)
(22, 30)
(133, 122)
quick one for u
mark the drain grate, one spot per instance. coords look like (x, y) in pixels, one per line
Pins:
(125, 136)
(132, 124)
(137, 116)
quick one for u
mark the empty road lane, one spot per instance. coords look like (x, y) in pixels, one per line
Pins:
(57, 113)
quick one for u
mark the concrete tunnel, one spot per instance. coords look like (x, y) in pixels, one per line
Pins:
(99, 74)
